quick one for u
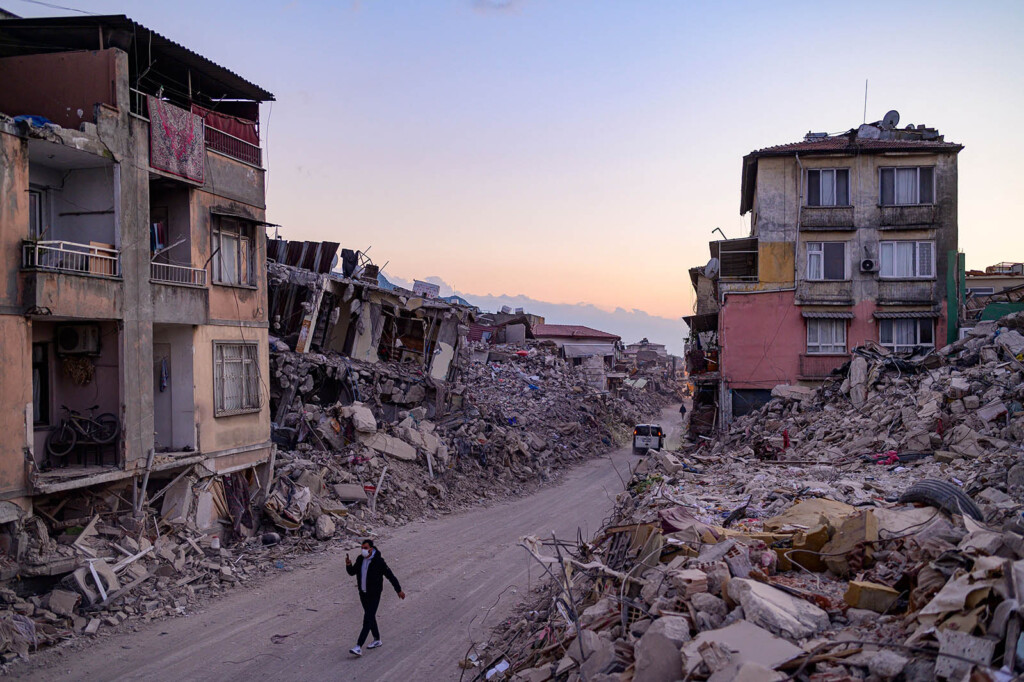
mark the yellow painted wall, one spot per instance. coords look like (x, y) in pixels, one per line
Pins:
(222, 433)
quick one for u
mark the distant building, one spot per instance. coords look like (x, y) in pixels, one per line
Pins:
(994, 292)
(426, 289)
(853, 238)
(562, 334)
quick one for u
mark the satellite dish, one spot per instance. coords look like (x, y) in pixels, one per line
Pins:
(891, 119)
(711, 269)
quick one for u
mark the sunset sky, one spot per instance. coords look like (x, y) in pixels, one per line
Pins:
(583, 151)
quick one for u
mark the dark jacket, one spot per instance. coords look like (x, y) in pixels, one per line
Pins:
(375, 574)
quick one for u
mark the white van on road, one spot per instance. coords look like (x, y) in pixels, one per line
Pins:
(647, 437)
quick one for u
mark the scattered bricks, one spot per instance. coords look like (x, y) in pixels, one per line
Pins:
(958, 388)
(971, 402)
(871, 596)
(674, 628)
(93, 627)
(689, 582)
(992, 411)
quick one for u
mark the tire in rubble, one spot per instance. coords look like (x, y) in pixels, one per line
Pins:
(944, 496)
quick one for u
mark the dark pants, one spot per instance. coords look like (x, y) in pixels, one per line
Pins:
(370, 603)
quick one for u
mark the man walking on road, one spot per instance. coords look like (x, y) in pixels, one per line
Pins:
(370, 571)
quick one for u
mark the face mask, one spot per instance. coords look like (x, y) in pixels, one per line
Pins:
(366, 553)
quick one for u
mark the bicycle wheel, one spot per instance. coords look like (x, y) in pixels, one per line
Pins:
(61, 440)
(106, 428)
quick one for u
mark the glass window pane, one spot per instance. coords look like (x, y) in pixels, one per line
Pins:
(888, 193)
(927, 189)
(828, 188)
(885, 332)
(925, 264)
(904, 259)
(835, 260)
(813, 188)
(843, 187)
(812, 332)
(229, 259)
(906, 186)
(887, 258)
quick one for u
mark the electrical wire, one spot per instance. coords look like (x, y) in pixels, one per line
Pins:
(53, 6)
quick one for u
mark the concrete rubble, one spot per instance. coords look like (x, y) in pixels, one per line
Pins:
(871, 529)
(360, 445)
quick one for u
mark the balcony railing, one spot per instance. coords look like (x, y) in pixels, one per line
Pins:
(827, 217)
(61, 256)
(236, 148)
(901, 291)
(820, 366)
(903, 216)
(181, 275)
(824, 291)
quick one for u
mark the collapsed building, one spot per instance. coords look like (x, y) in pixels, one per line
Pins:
(869, 528)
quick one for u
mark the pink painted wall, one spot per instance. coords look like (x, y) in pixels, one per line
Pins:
(762, 337)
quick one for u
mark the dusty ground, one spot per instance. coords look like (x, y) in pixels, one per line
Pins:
(300, 623)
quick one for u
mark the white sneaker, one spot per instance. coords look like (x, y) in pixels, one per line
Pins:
(356, 651)
(374, 644)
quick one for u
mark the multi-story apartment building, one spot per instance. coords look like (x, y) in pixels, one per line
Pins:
(853, 238)
(132, 256)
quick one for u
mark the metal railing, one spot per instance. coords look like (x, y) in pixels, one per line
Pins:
(181, 275)
(138, 103)
(236, 148)
(62, 256)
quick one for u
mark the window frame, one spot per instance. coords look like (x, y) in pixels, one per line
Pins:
(916, 259)
(42, 386)
(821, 253)
(38, 196)
(819, 348)
(250, 385)
(243, 232)
(904, 348)
(835, 188)
(917, 185)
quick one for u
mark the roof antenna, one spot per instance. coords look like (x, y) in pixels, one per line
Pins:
(865, 100)
(719, 231)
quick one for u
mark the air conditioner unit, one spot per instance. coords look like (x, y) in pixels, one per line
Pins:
(78, 339)
(869, 265)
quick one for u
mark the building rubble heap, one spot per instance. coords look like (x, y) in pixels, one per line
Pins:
(870, 529)
(393, 444)
(504, 425)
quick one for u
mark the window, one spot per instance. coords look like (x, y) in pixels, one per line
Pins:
(35, 214)
(826, 260)
(236, 378)
(907, 259)
(906, 186)
(981, 291)
(233, 257)
(904, 334)
(40, 384)
(828, 187)
(826, 337)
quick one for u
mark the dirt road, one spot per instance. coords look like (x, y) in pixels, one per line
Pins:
(300, 624)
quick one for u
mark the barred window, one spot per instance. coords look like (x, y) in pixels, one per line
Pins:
(236, 378)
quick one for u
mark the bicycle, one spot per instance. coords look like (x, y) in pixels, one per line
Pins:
(78, 428)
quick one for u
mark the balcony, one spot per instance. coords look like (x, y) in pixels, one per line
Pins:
(178, 275)
(826, 292)
(900, 217)
(236, 148)
(826, 218)
(817, 367)
(911, 292)
(71, 257)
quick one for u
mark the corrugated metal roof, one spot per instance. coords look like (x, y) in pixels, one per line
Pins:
(904, 314)
(570, 331)
(827, 314)
(62, 34)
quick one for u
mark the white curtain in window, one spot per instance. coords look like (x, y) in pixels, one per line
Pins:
(906, 185)
(904, 261)
(904, 332)
(885, 254)
(229, 258)
(828, 188)
(815, 258)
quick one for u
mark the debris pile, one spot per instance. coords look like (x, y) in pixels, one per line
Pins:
(870, 529)
(389, 435)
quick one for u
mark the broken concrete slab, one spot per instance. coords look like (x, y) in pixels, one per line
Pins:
(776, 611)
(657, 659)
(391, 446)
(750, 642)
(862, 594)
